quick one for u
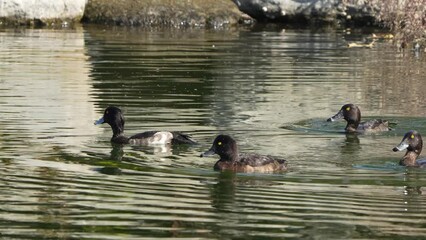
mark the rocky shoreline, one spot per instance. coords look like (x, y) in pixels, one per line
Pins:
(173, 13)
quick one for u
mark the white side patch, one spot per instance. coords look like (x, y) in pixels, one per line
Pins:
(161, 138)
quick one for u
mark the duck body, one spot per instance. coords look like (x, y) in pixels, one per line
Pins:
(413, 143)
(114, 117)
(251, 162)
(352, 115)
(232, 160)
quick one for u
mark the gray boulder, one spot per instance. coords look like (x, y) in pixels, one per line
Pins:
(310, 10)
(22, 11)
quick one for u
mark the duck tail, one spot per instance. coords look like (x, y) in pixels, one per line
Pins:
(282, 165)
(181, 138)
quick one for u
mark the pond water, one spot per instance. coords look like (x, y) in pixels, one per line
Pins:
(272, 89)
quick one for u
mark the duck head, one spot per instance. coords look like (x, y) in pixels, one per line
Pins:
(350, 113)
(413, 143)
(114, 117)
(224, 146)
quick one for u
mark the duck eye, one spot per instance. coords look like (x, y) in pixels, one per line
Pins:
(348, 108)
(219, 143)
(412, 136)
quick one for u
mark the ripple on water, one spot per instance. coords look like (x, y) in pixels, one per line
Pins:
(60, 177)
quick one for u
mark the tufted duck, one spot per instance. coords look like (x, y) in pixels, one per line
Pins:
(230, 159)
(352, 115)
(413, 142)
(114, 117)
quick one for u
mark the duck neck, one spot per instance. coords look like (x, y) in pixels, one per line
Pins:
(117, 130)
(231, 156)
(352, 126)
(409, 159)
(120, 139)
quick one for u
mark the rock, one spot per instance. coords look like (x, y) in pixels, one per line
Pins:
(305, 10)
(182, 13)
(41, 11)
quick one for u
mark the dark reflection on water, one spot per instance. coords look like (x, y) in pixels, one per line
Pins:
(270, 88)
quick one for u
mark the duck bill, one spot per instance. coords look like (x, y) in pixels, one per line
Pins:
(99, 121)
(336, 117)
(402, 146)
(208, 153)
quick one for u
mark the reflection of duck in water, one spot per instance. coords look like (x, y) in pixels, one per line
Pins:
(223, 192)
(412, 182)
(362, 44)
(154, 149)
(114, 117)
(116, 156)
(230, 159)
(351, 144)
(117, 152)
(352, 115)
(382, 36)
(413, 143)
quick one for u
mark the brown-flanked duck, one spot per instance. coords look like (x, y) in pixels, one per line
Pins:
(413, 143)
(352, 115)
(230, 158)
(114, 117)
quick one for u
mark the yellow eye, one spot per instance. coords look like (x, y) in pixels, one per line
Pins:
(348, 108)
(412, 136)
(219, 143)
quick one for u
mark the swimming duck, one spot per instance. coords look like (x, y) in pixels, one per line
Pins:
(114, 117)
(412, 141)
(230, 159)
(352, 115)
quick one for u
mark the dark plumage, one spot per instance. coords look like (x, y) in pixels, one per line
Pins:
(412, 141)
(352, 115)
(230, 159)
(114, 117)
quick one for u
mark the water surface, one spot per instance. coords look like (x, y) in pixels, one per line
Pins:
(270, 88)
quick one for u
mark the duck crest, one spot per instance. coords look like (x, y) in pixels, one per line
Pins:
(230, 154)
(118, 127)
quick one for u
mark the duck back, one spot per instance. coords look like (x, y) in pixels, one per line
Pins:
(251, 162)
(378, 125)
